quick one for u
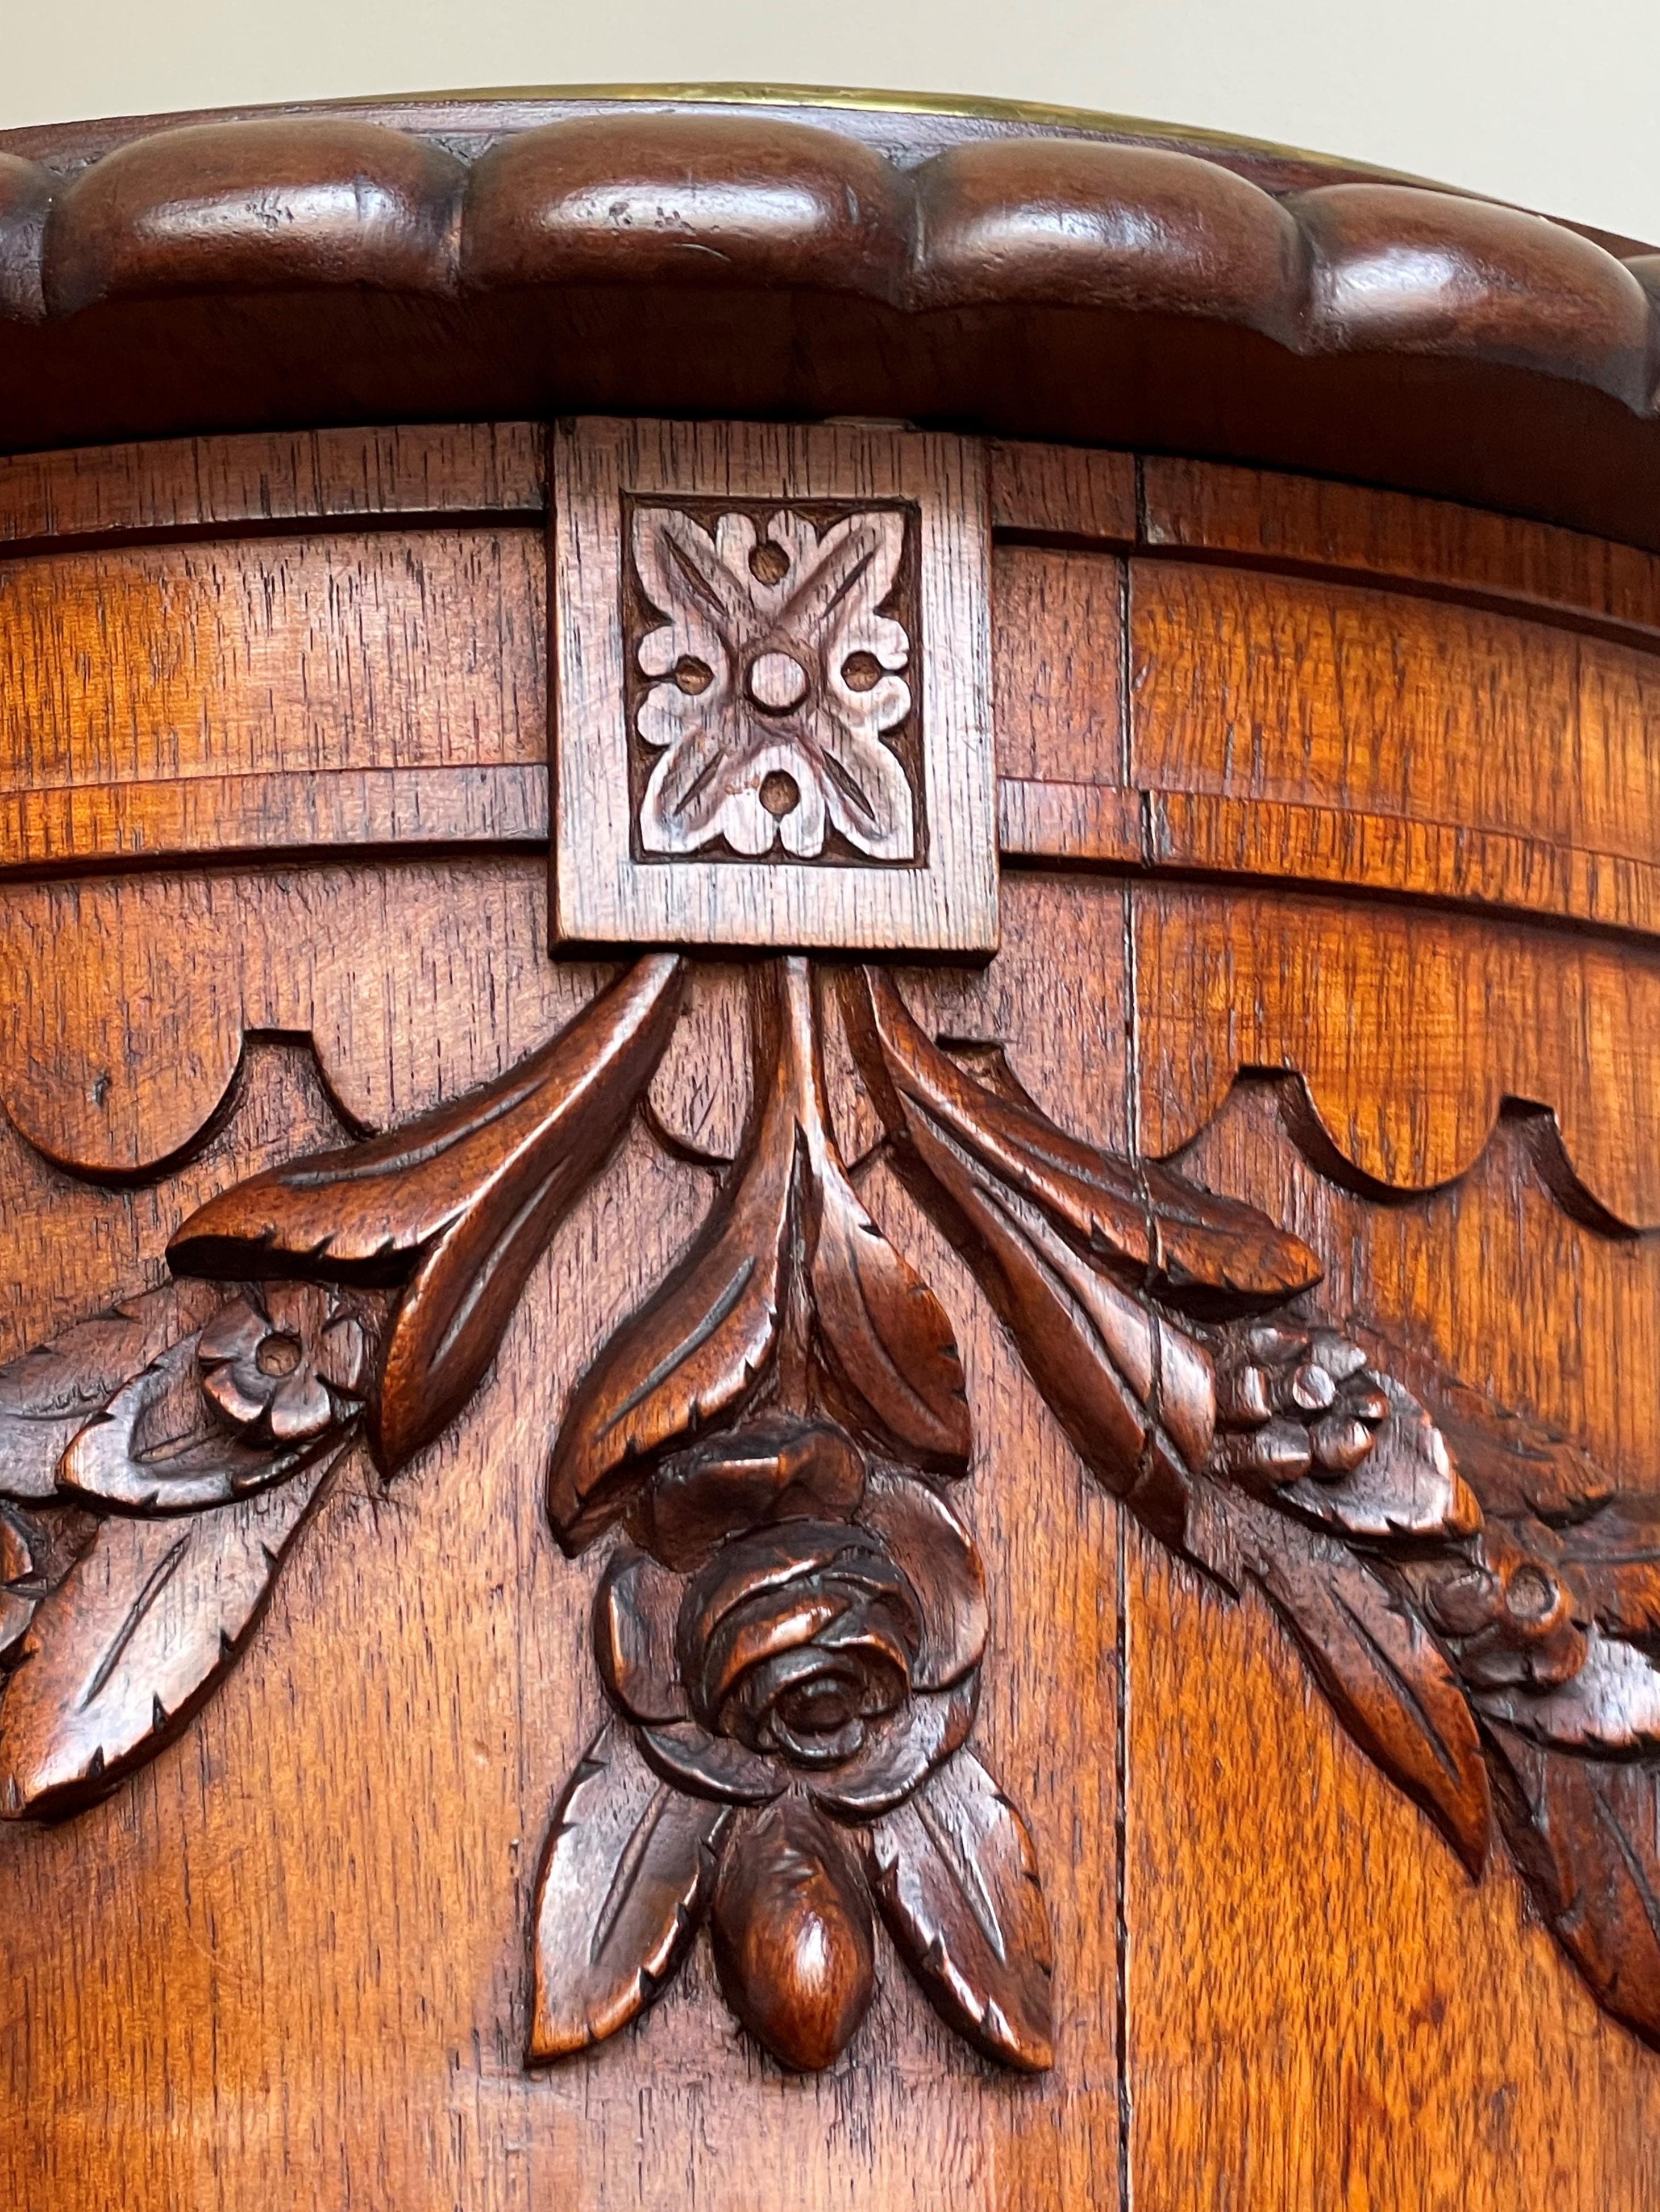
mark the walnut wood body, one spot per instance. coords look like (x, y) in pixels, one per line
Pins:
(1347, 798)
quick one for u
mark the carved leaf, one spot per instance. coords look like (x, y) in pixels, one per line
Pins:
(1390, 1682)
(1612, 1560)
(625, 1883)
(1515, 1465)
(692, 1353)
(1152, 1227)
(141, 1630)
(885, 1334)
(47, 1393)
(788, 1221)
(1068, 1243)
(697, 1103)
(465, 1197)
(1133, 1393)
(956, 1877)
(1586, 1834)
(941, 1564)
(1611, 1704)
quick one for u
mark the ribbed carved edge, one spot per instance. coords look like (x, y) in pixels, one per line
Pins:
(722, 202)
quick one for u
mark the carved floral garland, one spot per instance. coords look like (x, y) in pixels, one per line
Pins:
(792, 1628)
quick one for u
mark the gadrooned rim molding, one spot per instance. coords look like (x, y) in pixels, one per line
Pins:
(948, 267)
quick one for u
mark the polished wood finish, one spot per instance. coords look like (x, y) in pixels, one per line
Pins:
(1084, 285)
(667, 1578)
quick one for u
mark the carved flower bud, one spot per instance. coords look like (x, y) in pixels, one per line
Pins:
(1341, 1443)
(774, 1470)
(1274, 1345)
(1311, 1389)
(1340, 1358)
(1241, 1397)
(792, 1936)
(1510, 1617)
(1275, 1454)
(1464, 1601)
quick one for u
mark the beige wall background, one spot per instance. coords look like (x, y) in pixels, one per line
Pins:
(1552, 105)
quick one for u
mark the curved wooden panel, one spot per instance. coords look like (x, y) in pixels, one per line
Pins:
(1392, 2031)
(137, 991)
(162, 662)
(1302, 526)
(543, 1498)
(198, 486)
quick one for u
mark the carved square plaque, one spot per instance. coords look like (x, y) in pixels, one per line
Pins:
(772, 722)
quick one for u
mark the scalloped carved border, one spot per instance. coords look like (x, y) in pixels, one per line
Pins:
(206, 953)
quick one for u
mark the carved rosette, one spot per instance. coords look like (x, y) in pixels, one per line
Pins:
(770, 686)
(791, 1624)
(798, 1681)
(773, 678)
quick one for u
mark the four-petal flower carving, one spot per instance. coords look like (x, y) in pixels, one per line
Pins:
(773, 677)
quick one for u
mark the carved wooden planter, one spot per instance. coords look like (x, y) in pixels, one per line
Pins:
(827, 1012)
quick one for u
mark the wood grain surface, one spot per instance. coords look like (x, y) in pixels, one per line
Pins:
(1330, 839)
(343, 1932)
(120, 665)
(276, 482)
(1308, 526)
(1293, 2044)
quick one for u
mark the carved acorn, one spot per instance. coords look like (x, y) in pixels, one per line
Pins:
(794, 1942)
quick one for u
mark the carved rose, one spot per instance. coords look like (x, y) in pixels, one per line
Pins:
(774, 677)
(804, 1686)
(791, 1642)
(289, 1365)
(840, 1657)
